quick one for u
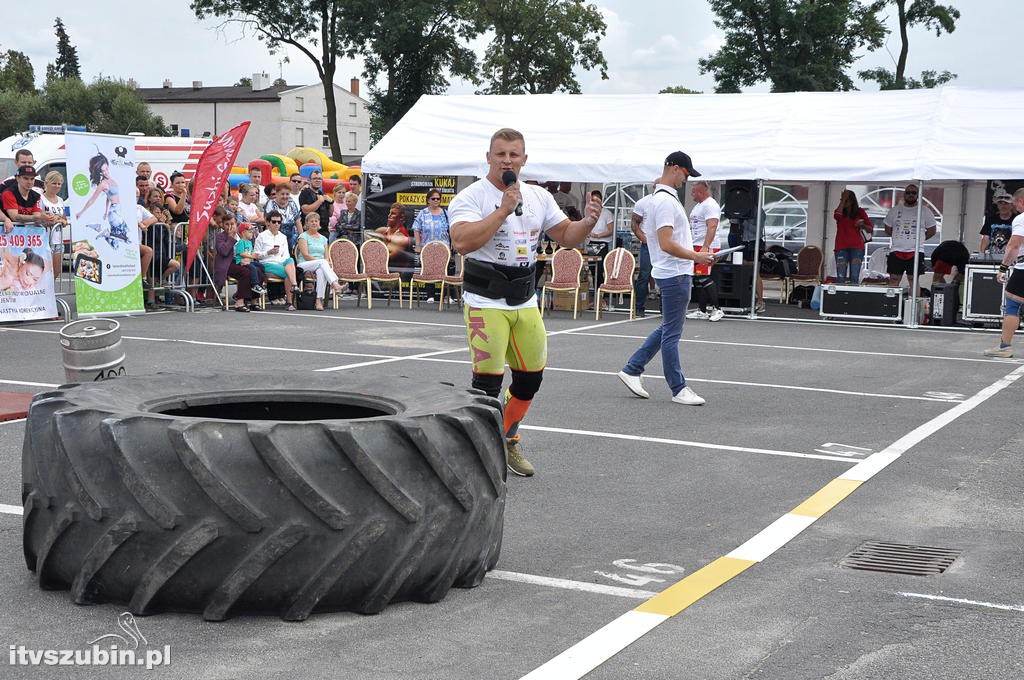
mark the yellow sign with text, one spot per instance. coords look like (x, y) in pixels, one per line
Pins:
(406, 198)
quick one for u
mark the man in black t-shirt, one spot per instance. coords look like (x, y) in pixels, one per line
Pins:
(313, 199)
(995, 233)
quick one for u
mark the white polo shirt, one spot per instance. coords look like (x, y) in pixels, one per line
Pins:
(665, 210)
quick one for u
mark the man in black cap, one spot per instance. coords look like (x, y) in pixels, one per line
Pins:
(21, 201)
(672, 256)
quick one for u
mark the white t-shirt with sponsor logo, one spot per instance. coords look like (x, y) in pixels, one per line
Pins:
(903, 221)
(665, 210)
(702, 212)
(515, 243)
(1018, 230)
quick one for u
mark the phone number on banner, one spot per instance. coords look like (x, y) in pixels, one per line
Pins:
(21, 240)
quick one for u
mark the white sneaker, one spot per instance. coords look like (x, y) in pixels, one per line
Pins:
(716, 314)
(697, 314)
(634, 384)
(688, 397)
(1000, 352)
(430, 301)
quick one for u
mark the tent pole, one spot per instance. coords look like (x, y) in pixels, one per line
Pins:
(757, 249)
(963, 209)
(917, 259)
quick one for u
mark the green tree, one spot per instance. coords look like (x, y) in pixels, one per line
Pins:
(313, 27)
(538, 43)
(414, 46)
(66, 65)
(932, 16)
(15, 111)
(792, 44)
(678, 89)
(244, 81)
(104, 105)
(16, 72)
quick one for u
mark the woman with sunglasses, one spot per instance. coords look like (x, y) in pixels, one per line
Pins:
(281, 202)
(272, 246)
(431, 224)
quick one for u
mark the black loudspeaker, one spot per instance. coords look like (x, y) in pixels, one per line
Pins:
(945, 300)
(739, 198)
(734, 284)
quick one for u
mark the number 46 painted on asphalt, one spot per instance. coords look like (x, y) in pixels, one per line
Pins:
(648, 568)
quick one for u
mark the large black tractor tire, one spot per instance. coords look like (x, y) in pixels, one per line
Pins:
(234, 494)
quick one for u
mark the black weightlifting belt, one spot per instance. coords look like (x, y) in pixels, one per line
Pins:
(496, 281)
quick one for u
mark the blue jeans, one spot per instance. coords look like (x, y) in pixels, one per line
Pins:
(675, 296)
(849, 258)
(642, 286)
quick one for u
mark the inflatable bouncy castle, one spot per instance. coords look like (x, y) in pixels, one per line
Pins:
(277, 168)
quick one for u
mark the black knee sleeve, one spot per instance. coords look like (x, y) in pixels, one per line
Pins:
(488, 384)
(525, 384)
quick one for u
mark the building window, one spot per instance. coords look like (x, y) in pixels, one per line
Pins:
(174, 129)
(352, 141)
(299, 137)
(353, 109)
(300, 104)
(326, 140)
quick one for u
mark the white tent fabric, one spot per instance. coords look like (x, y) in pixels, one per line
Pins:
(949, 133)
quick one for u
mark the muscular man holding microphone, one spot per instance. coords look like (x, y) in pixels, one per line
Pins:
(496, 223)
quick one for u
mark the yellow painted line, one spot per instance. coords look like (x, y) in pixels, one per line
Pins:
(594, 650)
(826, 498)
(682, 594)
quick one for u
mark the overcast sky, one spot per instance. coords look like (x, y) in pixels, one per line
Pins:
(650, 44)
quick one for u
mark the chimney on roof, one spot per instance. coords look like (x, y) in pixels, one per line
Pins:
(260, 81)
(167, 83)
(197, 84)
(353, 86)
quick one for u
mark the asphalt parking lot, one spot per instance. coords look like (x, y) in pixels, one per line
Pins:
(657, 541)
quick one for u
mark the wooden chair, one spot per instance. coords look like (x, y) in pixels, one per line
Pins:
(809, 260)
(566, 265)
(619, 264)
(224, 295)
(344, 258)
(434, 258)
(374, 254)
(453, 280)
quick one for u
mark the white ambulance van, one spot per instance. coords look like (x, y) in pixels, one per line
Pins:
(46, 142)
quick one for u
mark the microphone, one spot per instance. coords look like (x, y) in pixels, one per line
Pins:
(508, 178)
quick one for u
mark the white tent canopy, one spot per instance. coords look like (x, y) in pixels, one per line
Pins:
(949, 133)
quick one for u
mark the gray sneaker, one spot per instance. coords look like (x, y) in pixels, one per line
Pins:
(515, 459)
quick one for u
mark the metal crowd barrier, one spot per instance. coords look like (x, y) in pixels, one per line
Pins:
(174, 286)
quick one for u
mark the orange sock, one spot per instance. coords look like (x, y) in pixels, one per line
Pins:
(515, 411)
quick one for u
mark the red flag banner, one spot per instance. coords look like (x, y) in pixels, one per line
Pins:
(211, 172)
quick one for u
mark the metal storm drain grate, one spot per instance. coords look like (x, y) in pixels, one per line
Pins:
(894, 558)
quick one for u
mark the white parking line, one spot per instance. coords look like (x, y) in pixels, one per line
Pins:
(10, 509)
(27, 384)
(683, 442)
(896, 355)
(550, 582)
(960, 600)
(428, 355)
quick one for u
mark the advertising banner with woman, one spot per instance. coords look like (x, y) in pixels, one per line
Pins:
(26, 275)
(104, 226)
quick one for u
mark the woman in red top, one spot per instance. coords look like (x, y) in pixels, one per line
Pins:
(850, 219)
